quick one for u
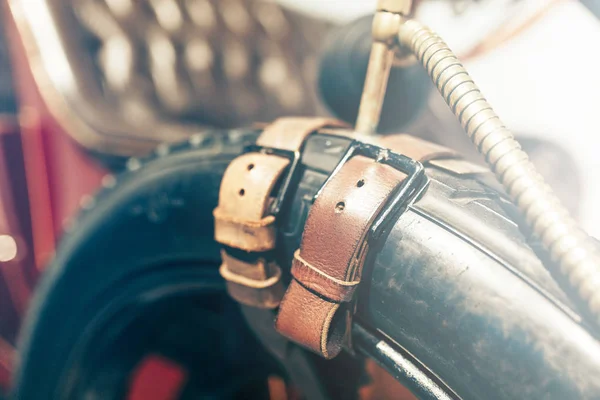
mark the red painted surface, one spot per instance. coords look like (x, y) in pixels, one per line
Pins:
(54, 175)
(59, 173)
(157, 378)
(16, 273)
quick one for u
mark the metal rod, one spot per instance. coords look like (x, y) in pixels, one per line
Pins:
(380, 64)
(385, 36)
(403, 369)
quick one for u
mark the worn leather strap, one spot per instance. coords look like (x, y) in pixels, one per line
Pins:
(328, 266)
(417, 149)
(317, 307)
(242, 219)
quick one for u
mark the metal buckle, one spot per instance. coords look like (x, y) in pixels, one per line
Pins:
(294, 157)
(405, 194)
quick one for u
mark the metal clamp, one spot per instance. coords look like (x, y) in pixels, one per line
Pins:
(406, 193)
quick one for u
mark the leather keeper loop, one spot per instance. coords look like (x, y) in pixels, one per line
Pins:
(260, 269)
(255, 236)
(252, 283)
(325, 332)
(254, 292)
(318, 281)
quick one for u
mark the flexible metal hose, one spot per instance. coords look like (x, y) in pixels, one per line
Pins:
(567, 244)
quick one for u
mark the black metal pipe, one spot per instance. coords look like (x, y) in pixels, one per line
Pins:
(400, 365)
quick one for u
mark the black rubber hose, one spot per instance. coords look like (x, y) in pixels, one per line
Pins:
(342, 75)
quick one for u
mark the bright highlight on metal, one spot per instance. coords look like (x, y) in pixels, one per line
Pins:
(8, 248)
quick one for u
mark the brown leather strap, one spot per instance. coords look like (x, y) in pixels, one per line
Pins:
(256, 283)
(417, 149)
(316, 309)
(411, 146)
(328, 266)
(242, 219)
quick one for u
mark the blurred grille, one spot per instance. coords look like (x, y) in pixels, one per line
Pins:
(217, 62)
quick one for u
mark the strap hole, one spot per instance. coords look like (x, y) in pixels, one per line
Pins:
(250, 167)
(360, 183)
(242, 192)
(339, 207)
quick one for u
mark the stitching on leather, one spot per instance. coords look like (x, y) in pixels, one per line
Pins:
(221, 216)
(323, 274)
(252, 283)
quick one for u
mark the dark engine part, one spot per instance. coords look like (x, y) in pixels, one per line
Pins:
(342, 75)
(455, 285)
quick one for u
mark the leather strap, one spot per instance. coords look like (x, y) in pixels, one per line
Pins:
(317, 308)
(242, 219)
(410, 146)
(417, 149)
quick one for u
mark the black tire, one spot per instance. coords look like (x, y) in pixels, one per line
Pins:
(455, 284)
(120, 289)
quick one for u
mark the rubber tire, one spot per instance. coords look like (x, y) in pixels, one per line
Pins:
(131, 243)
(159, 214)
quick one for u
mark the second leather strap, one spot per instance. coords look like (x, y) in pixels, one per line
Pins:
(328, 266)
(243, 218)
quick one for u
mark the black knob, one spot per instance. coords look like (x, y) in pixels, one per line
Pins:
(342, 75)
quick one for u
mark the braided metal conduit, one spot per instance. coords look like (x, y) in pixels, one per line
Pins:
(567, 244)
